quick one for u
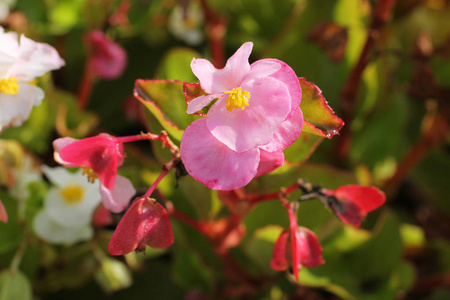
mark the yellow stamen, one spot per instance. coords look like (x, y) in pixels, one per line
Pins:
(237, 99)
(72, 194)
(9, 86)
(91, 175)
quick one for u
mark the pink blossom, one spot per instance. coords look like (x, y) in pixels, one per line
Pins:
(108, 60)
(145, 223)
(3, 214)
(354, 202)
(256, 116)
(296, 247)
(99, 156)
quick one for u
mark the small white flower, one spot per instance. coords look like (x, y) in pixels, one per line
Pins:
(186, 24)
(68, 208)
(20, 63)
(23, 175)
(5, 6)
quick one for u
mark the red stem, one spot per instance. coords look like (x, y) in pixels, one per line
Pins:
(215, 31)
(86, 85)
(255, 198)
(350, 91)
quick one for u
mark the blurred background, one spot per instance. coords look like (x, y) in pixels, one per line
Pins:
(383, 66)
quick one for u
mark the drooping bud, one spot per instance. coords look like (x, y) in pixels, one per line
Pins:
(351, 203)
(145, 223)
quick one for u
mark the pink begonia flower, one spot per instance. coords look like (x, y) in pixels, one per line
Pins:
(256, 116)
(108, 60)
(3, 214)
(354, 202)
(146, 222)
(20, 63)
(296, 247)
(99, 156)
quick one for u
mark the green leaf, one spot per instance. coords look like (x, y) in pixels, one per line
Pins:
(318, 116)
(176, 65)
(14, 286)
(259, 248)
(165, 100)
(303, 147)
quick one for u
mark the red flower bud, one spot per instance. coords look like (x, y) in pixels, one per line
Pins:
(145, 223)
(354, 202)
(3, 214)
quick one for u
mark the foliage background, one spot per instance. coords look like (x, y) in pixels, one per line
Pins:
(399, 142)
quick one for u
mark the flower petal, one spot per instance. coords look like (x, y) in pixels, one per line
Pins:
(15, 109)
(310, 251)
(286, 75)
(102, 153)
(58, 144)
(198, 103)
(145, 223)
(3, 214)
(213, 163)
(118, 198)
(214, 80)
(287, 133)
(261, 68)
(53, 232)
(241, 130)
(279, 260)
(269, 161)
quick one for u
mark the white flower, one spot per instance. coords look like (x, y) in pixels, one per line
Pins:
(20, 63)
(23, 175)
(68, 208)
(5, 6)
(186, 24)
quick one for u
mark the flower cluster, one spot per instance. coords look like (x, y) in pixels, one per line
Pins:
(256, 116)
(21, 63)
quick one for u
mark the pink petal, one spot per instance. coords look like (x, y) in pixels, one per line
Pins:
(287, 133)
(198, 103)
(58, 144)
(349, 213)
(279, 260)
(241, 130)
(310, 251)
(367, 198)
(289, 78)
(3, 214)
(261, 68)
(213, 163)
(102, 216)
(215, 81)
(269, 161)
(145, 223)
(103, 154)
(294, 242)
(117, 199)
(108, 59)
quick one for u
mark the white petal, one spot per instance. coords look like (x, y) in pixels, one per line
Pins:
(53, 232)
(117, 199)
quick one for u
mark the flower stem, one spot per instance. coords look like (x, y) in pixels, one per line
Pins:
(85, 90)
(162, 137)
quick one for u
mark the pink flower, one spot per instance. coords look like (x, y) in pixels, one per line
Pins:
(256, 116)
(354, 202)
(21, 63)
(307, 252)
(99, 156)
(3, 214)
(304, 250)
(108, 60)
(145, 223)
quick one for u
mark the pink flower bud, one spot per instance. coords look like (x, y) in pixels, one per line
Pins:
(145, 223)
(108, 59)
(354, 202)
(303, 251)
(3, 214)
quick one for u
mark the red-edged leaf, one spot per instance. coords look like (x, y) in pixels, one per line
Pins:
(319, 118)
(192, 91)
(165, 100)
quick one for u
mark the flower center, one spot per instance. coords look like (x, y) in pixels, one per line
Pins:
(9, 86)
(237, 99)
(91, 175)
(72, 194)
